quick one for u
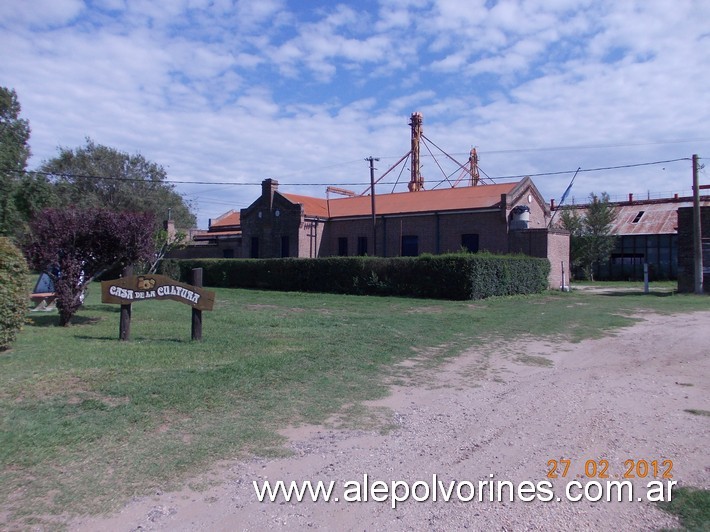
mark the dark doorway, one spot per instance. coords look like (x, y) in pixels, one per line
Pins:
(470, 242)
(362, 245)
(410, 245)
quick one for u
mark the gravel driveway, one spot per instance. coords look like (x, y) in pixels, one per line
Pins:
(498, 413)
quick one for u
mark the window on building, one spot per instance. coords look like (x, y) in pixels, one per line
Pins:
(343, 246)
(638, 217)
(469, 242)
(285, 248)
(410, 245)
(627, 258)
(254, 247)
(228, 253)
(362, 245)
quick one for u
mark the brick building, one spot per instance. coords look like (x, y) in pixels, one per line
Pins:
(500, 218)
(222, 240)
(686, 258)
(646, 231)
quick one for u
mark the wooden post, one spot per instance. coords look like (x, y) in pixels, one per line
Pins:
(697, 231)
(197, 314)
(124, 327)
(645, 278)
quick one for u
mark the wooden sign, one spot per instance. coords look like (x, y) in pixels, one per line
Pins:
(134, 288)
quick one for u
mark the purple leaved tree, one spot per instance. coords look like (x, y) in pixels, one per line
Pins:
(76, 246)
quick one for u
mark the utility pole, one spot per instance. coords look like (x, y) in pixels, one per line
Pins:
(697, 228)
(372, 201)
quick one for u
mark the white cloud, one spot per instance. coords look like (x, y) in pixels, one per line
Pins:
(250, 13)
(110, 5)
(217, 91)
(39, 13)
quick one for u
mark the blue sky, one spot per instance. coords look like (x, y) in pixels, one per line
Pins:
(302, 91)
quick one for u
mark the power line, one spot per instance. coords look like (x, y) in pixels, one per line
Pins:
(359, 183)
(589, 147)
(622, 166)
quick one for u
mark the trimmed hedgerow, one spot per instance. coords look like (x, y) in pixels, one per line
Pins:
(14, 296)
(458, 276)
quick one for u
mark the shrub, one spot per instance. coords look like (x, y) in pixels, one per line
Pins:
(14, 296)
(454, 276)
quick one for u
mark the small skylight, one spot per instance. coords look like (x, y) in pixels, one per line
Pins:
(638, 217)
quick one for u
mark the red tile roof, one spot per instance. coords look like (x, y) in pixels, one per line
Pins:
(228, 219)
(311, 206)
(448, 199)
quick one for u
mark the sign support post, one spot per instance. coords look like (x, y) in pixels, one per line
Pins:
(196, 313)
(124, 327)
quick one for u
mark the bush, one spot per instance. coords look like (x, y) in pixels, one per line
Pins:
(14, 296)
(456, 276)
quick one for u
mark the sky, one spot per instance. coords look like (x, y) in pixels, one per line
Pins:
(226, 93)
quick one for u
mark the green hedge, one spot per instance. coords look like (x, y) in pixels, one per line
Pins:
(14, 295)
(457, 276)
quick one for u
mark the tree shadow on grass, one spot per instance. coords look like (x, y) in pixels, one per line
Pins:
(136, 339)
(52, 320)
(102, 308)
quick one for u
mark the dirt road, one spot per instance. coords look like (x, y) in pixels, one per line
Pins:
(504, 411)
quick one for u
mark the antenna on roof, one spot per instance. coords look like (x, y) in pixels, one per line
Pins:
(564, 196)
(341, 191)
(473, 166)
(416, 181)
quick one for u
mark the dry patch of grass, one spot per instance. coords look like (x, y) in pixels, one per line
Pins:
(697, 412)
(534, 360)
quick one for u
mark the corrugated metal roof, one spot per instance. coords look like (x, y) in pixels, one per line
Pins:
(654, 217)
(449, 199)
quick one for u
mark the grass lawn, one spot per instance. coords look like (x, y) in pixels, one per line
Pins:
(87, 421)
(692, 506)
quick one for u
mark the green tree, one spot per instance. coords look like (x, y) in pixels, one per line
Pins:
(96, 176)
(14, 152)
(591, 240)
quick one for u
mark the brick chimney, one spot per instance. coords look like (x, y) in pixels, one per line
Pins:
(268, 187)
(169, 226)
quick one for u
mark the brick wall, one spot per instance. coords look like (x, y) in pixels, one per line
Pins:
(435, 232)
(553, 244)
(310, 237)
(222, 248)
(686, 260)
